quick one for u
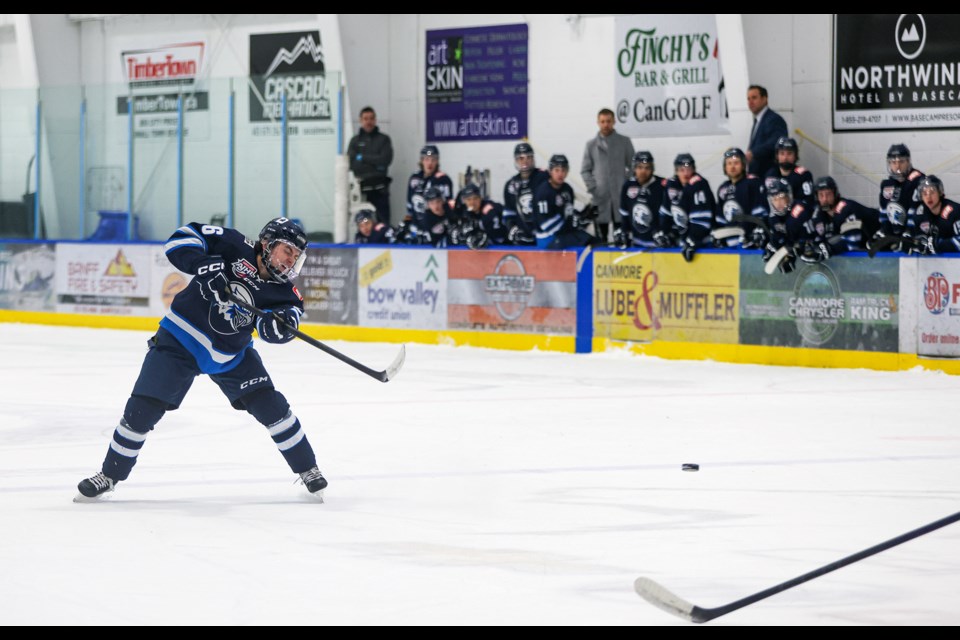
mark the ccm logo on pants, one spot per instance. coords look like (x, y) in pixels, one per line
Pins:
(250, 383)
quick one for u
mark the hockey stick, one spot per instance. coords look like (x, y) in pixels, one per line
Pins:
(383, 376)
(657, 595)
(881, 244)
(778, 256)
(745, 218)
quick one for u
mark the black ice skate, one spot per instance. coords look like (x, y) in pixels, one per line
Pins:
(314, 481)
(94, 487)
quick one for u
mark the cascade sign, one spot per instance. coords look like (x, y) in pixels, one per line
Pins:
(668, 79)
(896, 71)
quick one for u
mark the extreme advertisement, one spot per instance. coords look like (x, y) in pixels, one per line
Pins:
(850, 304)
(515, 291)
(660, 296)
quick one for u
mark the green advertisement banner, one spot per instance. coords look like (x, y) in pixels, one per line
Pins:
(840, 304)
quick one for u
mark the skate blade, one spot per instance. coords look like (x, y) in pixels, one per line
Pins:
(80, 498)
(318, 495)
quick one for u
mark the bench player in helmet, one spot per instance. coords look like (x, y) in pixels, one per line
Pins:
(369, 231)
(842, 224)
(205, 332)
(739, 199)
(481, 220)
(690, 204)
(559, 224)
(898, 199)
(937, 220)
(429, 176)
(640, 200)
(518, 213)
(790, 225)
(787, 153)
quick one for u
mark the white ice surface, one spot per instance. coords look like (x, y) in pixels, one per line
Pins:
(480, 487)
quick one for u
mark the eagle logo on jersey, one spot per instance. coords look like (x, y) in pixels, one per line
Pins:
(679, 216)
(227, 318)
(526, 203)
(642, 216)
(730, 209)
(896, 214)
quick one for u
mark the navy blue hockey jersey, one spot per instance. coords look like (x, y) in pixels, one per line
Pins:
(218, 334)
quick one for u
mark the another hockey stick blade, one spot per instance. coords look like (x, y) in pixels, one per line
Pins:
(745, 218)
(873, 248)
(851, 225)
(383, 376)
(659, 596)
(775, 260)
(726, 232)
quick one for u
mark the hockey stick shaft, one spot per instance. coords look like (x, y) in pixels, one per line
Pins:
(382, 376)
(661, 597)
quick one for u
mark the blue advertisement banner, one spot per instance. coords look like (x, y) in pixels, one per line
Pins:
(476, 83)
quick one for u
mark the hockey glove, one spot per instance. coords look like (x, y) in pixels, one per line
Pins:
(922, 245)
(663, 239)
(689, 248)
(477, 239)
(211, 276)
(788, 263)
(815, 251)
(621, 238)
(518, 236)
(279, 327)
(756, 239)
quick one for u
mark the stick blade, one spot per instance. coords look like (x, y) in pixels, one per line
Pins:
(775, 261)
(394, 367)
(657, 595)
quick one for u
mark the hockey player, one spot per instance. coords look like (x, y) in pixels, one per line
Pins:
(205, 333)
(518, 214)
(481, 220)
(691, 205)
(898, 199)
(790, 225)
(938, 220)
(640, 200)
(739, 199)
(800, 179)
(841, 224)
(369, 231)
(438, 219)
(428, 176)
(559, 225)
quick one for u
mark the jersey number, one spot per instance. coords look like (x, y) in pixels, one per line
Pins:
(212, 230)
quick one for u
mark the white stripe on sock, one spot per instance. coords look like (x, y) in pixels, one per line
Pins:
(283, 425)
(122, 450)
(291, 442)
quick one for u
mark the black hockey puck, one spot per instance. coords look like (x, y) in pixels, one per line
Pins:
(690, 466)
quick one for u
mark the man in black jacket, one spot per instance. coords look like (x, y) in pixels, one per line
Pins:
(371, 153)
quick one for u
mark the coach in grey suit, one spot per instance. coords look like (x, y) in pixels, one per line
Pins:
(606, 165)
(768, 127)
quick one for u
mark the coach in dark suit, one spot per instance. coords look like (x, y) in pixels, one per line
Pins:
(767, 128)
